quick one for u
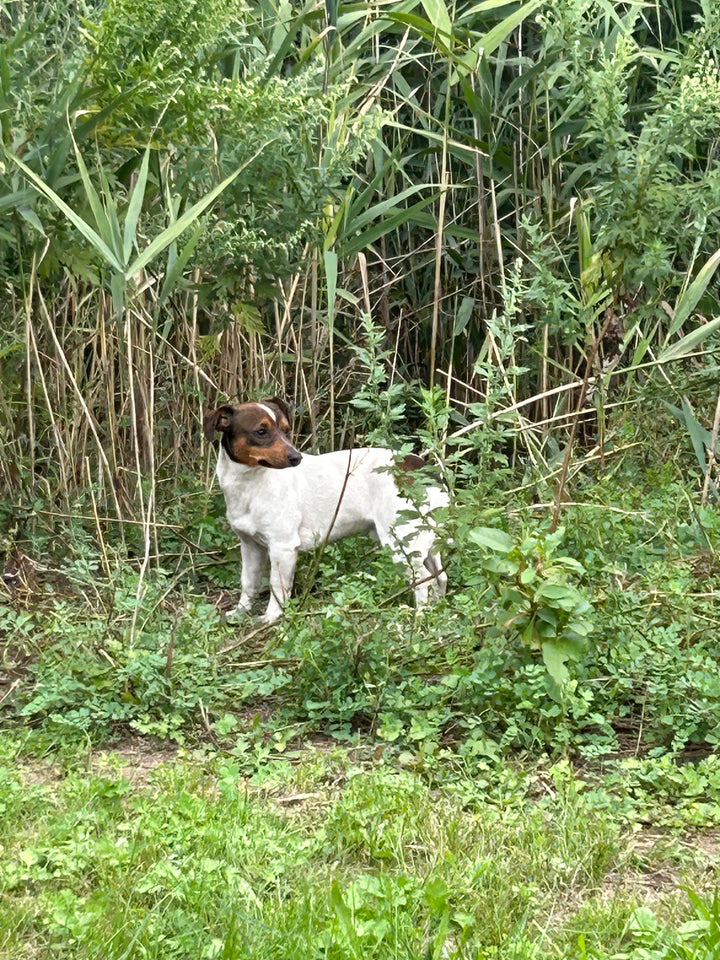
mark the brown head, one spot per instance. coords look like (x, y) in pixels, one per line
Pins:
(255, 434)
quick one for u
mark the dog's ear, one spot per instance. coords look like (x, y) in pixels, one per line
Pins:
(217, 420)
(281, 406)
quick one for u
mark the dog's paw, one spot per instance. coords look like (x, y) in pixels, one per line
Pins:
(237, 614)
(269, 619)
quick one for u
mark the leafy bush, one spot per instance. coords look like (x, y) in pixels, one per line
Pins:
(533, 597)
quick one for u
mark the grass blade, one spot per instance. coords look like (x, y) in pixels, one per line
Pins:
(688, 299)
(690, 342)
(92, 236)
(135, 206)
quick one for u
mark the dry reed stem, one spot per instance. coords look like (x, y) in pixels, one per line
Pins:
(711, 454)
(439, 241)
(609, 317)
(74, 384)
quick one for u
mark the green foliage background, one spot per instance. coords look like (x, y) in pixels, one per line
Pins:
(485, 231)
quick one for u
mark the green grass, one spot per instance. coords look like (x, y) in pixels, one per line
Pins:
(325, 854)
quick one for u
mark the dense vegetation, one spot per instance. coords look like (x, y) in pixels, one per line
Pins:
(487, 231)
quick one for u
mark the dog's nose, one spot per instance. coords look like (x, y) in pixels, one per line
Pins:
(294, 458)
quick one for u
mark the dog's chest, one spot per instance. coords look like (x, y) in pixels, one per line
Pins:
(252, 512)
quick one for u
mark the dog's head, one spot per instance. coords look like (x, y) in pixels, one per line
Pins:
(255, 434)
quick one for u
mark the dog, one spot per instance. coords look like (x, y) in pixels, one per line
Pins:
(281, 503)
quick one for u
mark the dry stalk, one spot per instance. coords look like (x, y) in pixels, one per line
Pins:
(81, 400)
(609, 317)
(711, 454)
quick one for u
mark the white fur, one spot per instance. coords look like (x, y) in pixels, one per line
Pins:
(268, 410)
(278, 514)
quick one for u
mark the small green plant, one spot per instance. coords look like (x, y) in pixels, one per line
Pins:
(381, 397)
(533, 595)
(695, 939)
(94, 680)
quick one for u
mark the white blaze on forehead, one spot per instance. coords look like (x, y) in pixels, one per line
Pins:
(270, 412)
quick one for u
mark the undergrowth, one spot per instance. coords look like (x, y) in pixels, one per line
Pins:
(592, 640)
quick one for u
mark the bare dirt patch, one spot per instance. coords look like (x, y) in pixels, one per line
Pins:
(134, 758)
(659, 873)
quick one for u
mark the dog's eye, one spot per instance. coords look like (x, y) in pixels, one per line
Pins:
(261, 432)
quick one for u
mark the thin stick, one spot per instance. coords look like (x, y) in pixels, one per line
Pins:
(83, 404)
(439, 237)
(712, 454)
(96, 517)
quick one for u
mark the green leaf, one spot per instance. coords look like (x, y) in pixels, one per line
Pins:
(177, 265)
(135, 206)
(342, 912)
(699, 436)
(494, 37)
(689, 342)
(688, 299)
(398, 219)
(462, 318)
(85, 229)
(496, 540)
(426, 29)
(437, 14)
(331, 270)
(555, 660)
(556, 591)
(102, 220)
(549, 616)
(117, 289)
(27, 213)
(377, 210)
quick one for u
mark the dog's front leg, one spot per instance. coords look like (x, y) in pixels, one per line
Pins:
(282, 574)
(254, 564)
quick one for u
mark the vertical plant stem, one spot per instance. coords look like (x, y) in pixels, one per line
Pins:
(609, 316)
(330, 265)
(315, 346)
(439, 236)
(480, 201)
(29, 371)
(145, 513)
(62, 456)
(544, 404)
(81, 399)
(498, 234)
(96, 517)
(711, 454)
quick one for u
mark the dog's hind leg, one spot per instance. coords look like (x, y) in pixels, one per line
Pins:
(430, 580)
(412, 548)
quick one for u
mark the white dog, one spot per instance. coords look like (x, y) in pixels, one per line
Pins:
(281, 502)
